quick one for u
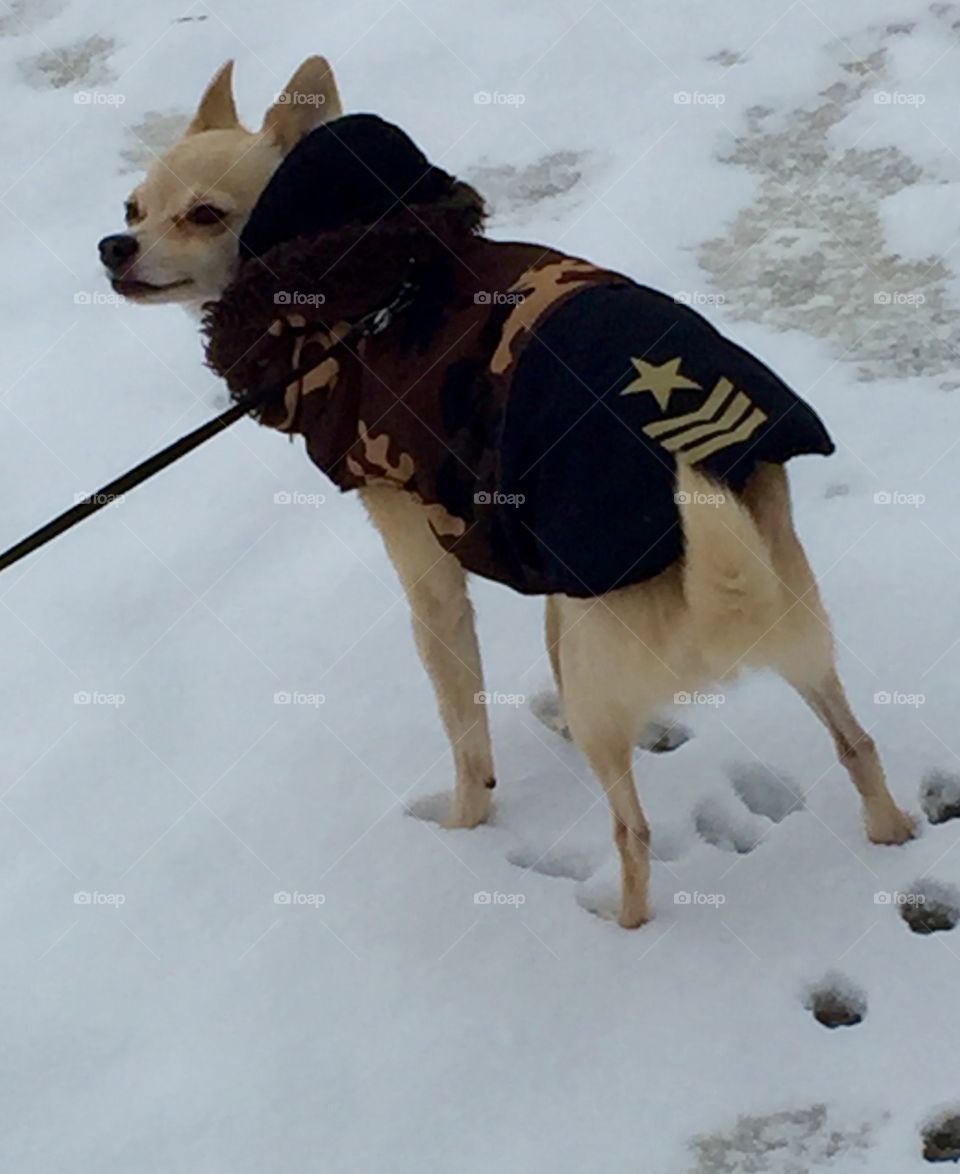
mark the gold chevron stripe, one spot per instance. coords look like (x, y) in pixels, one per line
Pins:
(711, 407)
(708, 447)
(739, 407)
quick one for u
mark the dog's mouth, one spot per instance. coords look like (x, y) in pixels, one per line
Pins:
(129, 288)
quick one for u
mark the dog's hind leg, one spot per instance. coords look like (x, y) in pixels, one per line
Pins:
(801, 643)
(443, 627)
(605, 716)
(885, 822)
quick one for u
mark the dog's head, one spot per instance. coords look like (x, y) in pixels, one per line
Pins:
(184, 221)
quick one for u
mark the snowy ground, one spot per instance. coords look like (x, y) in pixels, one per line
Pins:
(792, 169)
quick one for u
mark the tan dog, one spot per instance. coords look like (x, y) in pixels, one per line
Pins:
(743, 596)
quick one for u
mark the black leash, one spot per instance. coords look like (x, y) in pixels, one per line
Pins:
(372, 323)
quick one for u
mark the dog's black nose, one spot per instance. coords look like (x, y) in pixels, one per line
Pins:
(118, 249)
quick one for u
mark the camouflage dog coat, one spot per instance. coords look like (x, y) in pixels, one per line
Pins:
(537, 405)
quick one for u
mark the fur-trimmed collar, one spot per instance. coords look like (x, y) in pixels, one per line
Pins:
(341, 275)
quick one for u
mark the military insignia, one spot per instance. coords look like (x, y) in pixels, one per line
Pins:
(727, 416)
(660, 380)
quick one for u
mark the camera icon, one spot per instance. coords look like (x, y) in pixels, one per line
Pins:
(282, 498)
(482, 298)
(82, 698)
(681, 699)
(482, 97)
(482, 498)
(281, 698)
(281, 898)
(82, 898)
(482, 898)
(681, 898)
(882, 298)
(883, 898)
(882, 698)
(281, 298)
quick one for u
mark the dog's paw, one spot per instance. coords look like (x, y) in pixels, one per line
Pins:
(893, 827)
(470, 810)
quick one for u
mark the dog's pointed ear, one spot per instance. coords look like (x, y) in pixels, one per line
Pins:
(217, 109)
(309, 98)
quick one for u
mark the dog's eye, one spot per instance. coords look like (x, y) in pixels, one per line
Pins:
(205, 214)
(131, 212)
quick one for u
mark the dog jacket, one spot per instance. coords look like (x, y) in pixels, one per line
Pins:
(537, 405)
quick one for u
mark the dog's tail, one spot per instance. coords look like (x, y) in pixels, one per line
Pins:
(732, 593)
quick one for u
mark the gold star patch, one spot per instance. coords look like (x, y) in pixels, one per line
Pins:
(659, 381)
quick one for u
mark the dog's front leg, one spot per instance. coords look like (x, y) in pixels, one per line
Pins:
(446, 638)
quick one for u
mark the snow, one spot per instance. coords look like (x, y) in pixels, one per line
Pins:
(181, 1017)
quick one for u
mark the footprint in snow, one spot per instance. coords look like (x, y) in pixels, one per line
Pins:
(726, 825)
(658, 737)
(764, 792)
(739, 824)
(930, 906)
(940, 795)
(835, 1001)
(941, 1137)
(567, 863)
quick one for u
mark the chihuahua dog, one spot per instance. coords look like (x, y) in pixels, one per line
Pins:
(741, 596)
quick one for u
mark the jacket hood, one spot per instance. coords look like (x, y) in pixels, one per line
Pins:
(335, 235)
